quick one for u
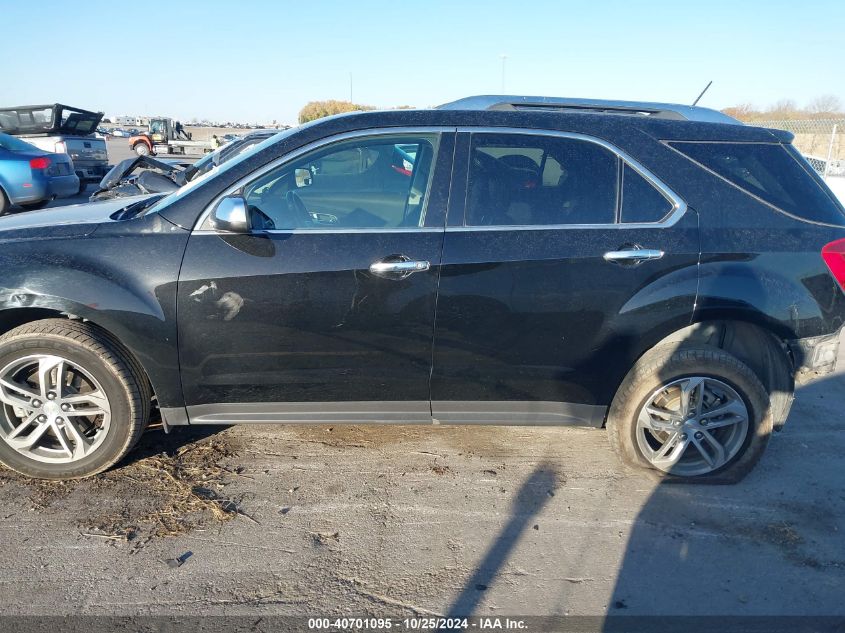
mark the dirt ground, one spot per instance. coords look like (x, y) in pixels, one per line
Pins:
(401, 520)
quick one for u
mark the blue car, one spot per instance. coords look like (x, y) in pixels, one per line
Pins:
(30, 177)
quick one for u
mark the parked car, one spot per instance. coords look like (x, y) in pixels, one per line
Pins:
(30, 177)
(659, 270)
(117, 132)
(61, 129)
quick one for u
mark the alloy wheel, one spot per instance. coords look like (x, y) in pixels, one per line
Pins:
(53, 409)
(692, 426)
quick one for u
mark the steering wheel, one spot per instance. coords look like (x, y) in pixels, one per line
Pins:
(299, 212)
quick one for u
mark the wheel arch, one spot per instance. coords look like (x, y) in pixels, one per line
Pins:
(763, 349)
(4, 193)
(12, 318)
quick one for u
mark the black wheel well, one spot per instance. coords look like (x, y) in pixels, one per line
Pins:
(10, 319)
(761, 349)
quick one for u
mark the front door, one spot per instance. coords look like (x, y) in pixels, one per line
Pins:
(562, 256)
(324, 311)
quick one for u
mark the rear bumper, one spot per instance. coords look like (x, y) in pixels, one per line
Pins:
(63, 186)
(815, 356)
(90, 172)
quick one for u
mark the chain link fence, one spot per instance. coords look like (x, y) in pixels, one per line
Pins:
(821, 141)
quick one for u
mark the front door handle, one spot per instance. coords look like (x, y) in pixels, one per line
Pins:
(632, 255)
(398, 267)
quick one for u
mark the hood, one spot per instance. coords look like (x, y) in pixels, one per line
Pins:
(55, 118)
(126, 167)
(77, 220)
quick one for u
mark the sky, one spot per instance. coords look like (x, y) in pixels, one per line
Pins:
(260, 60)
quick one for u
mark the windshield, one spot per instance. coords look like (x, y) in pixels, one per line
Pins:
(214, 169)
(224, 154)
(16, 145)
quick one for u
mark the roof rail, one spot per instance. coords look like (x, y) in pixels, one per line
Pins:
(673, 111)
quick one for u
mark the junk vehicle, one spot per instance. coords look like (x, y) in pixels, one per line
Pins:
(145, 174)
(61, 129)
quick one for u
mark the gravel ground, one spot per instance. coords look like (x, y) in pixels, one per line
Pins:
(417, 520)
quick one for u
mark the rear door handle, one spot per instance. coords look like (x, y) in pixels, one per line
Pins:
(398, 268)
(633, 255)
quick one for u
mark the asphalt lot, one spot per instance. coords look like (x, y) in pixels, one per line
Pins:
(402, 520)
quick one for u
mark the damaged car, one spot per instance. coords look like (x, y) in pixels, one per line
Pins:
(146, 174)
(138, 176)
(658, 270)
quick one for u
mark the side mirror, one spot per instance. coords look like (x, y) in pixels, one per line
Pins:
(303, 177)
(231, 215)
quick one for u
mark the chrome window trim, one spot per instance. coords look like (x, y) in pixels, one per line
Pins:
(671, 218)
(325, 141)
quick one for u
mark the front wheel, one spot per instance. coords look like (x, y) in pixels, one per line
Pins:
(72, 401)
(694, 414)
(141, 149)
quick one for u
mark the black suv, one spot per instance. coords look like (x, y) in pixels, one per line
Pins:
(661, 270)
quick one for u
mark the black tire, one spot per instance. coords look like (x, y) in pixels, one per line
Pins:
(34, 206)
(667, 363)
(4, 203)
(83, 185)
(119, 374)
(141, 149)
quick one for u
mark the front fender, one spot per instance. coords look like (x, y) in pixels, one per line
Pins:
(122, 278)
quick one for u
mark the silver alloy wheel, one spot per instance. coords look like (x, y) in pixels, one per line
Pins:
(692, 426)
(53, 410)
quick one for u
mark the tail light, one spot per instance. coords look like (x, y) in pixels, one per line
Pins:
(61, 148)
(42, 162)
(834, 256)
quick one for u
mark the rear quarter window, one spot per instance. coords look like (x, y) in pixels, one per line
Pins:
(770, 172)
(641, 202)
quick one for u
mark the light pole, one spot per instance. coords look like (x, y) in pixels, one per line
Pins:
(504, 58)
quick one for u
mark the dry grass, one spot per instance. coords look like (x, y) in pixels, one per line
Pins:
(155, 495)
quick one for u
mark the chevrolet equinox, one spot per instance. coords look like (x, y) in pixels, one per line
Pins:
(659, 270)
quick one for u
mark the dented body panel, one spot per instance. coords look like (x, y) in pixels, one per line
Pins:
(120, 275)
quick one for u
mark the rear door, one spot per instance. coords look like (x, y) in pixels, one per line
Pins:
(325, 310)
(561, 256)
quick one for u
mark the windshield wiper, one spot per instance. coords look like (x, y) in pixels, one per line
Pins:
(135, 209)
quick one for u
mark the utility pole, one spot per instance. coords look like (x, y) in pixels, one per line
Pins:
(504, 58)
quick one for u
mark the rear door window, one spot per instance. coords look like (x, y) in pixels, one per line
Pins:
(519, 180)
(769, 172)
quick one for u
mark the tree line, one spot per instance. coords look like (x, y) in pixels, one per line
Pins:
(824, 107)
(318, 109)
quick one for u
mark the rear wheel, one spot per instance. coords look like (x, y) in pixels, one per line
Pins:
(691, 414)
(4, 203)
(72, 402)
